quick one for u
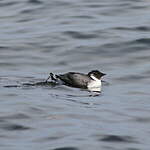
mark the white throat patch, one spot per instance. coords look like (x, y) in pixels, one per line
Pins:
(94, 78)
(95, 83)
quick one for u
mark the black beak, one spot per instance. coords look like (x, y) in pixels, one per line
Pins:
(103, 74)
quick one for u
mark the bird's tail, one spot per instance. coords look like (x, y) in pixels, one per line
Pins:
(52, 76)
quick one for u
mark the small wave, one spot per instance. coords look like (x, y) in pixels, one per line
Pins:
(140, 28)
(66, 148)
(15, 116)
(7, 4)
(12, 127)
(117, 138)
(79, 35)
(35, 1)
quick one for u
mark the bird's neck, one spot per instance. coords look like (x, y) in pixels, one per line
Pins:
(95, 79)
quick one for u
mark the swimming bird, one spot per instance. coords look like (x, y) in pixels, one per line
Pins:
(90, 81)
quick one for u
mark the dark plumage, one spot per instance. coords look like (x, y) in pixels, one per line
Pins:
(96, 73)
(75, 79)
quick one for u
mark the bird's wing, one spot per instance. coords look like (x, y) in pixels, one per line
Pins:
(75, 79)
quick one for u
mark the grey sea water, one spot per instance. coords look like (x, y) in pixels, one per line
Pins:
(42, 36)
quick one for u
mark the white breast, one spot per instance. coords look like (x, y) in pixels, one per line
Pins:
(95, 84)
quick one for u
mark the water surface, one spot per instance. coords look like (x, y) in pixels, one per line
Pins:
(41, 36)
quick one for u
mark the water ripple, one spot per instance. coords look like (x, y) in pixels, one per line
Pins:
(15, 116)
(66, 148)
(117, 138)
(79, 35)
(6, 4)
(138, 28)
(14, 127)
(35, 1)
(42, 36)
